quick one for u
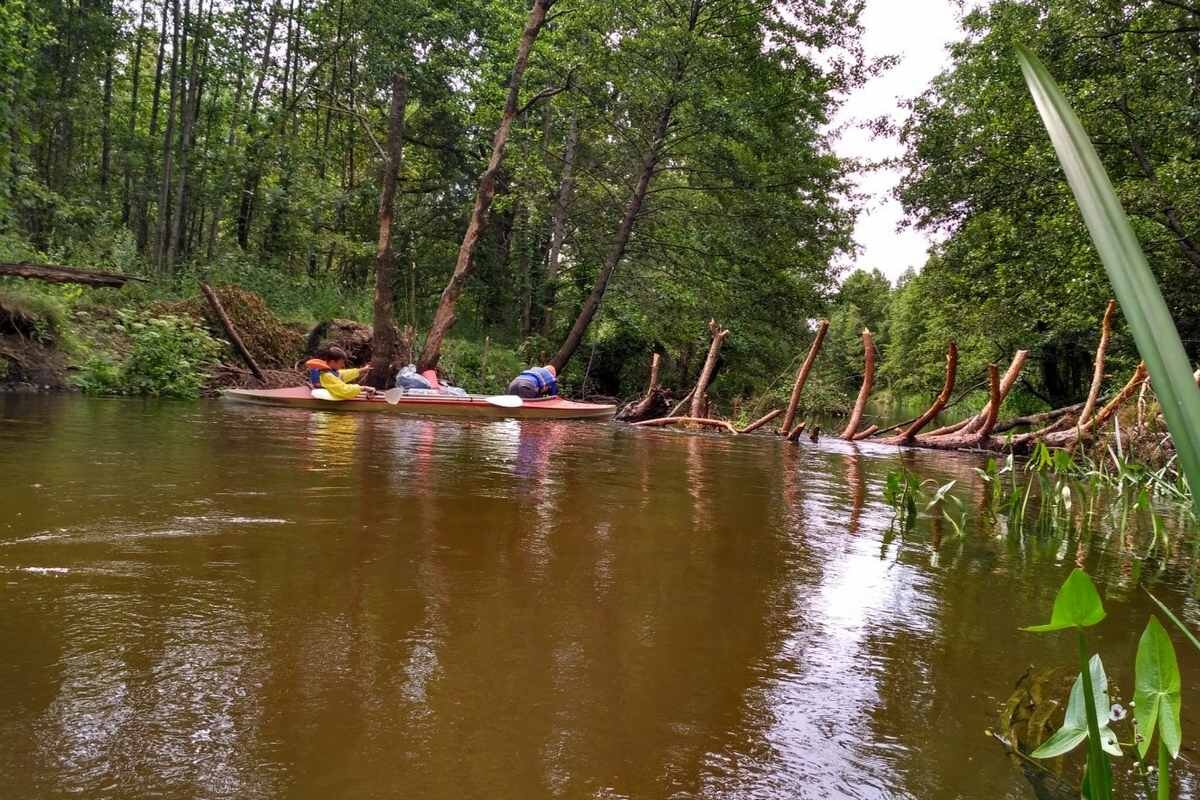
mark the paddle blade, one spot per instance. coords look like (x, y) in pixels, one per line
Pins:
(392, 396)
(505, 400)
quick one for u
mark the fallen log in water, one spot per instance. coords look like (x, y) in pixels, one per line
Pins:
(663, 421)
(653, 404)
(864, 391)
(758, 423)
(939, 402)
(1030, 420)
(785, 427)
(967, 439)
(699, 395)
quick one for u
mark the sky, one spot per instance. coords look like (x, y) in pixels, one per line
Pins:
(917, 31)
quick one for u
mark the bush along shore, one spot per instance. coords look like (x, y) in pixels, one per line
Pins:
(148, 342)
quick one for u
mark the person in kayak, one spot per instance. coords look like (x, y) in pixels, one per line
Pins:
(535, 382)
(328, 371)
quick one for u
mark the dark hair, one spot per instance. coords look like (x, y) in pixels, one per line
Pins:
(333, 353)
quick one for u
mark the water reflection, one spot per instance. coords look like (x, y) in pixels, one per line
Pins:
(222, 602)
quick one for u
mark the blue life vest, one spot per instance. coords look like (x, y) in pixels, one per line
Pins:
(314, 376)
(546, 383)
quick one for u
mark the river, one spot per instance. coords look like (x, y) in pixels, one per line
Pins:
(215, 601)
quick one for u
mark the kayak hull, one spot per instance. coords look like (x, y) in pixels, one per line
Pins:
(474, 406)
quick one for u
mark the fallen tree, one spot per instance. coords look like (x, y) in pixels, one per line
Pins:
(654, 403)
(56, 273)
(864, 391)
(789, 417)
(910, 433)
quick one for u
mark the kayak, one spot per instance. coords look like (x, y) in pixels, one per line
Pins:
(435, 405)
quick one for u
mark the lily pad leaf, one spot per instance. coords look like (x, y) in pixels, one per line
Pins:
(1077, 605)
(1156, 694)
(1074, 729)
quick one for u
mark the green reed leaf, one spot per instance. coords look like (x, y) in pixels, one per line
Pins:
(1141, 301)
(1191, 637)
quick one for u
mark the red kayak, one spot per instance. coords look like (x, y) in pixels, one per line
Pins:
(480, 406)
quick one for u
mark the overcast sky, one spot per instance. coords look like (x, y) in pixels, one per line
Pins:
(917, 31)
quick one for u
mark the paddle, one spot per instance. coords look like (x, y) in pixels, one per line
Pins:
(505, 400)
(392, 396)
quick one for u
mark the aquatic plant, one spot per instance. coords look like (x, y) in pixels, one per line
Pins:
(1157, 693)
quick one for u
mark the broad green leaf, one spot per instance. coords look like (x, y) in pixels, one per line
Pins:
(1074, 729)
(1156, 695)
(1141, 300)
(1076, 606)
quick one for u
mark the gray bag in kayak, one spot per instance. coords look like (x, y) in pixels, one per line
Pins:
(409, 378)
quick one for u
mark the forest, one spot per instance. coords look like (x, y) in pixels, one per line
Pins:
(588, 183)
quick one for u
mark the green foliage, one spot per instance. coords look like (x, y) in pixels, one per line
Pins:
(1016, 264)
(167, 358)
(484, 368)
(1077, 605)
(37, 315)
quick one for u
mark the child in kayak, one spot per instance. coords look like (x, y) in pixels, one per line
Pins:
(535, 382)
(328, 371)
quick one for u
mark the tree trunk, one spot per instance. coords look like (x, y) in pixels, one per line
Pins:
(558, 227)
(1006, 383)
(231, 332)
(135, 78)
(632, 209)
(384, 337)
(653, 400)
(617, 250)
(443, 318)
(802, 378)
(164, 211)
(864, 391)
(254, 148)
(968, 439)
(106, 120)
(700, 396)
(191, 102)
(142, 203)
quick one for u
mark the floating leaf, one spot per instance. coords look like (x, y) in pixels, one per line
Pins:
(1077, 605)
(1156, 696)
(1141, 300)
(1075, 729)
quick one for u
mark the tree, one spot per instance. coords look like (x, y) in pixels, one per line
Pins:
(443, 318)
(1016, 262)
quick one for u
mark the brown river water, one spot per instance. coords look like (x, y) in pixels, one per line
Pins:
(212, 601)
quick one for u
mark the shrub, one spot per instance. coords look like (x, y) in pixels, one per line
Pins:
(166, 359)
(34, 315)
(484, 367)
